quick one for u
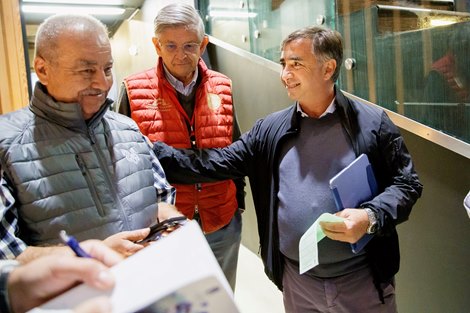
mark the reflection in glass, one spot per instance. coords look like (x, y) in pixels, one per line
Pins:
(411, 57)
(446, 95)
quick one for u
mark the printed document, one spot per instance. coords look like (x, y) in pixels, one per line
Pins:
(177, 273)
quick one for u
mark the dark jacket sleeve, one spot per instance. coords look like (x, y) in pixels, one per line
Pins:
(123, 101)
(239, 182)
(191, 166)
(399, 181)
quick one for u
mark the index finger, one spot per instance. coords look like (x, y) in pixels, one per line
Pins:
(101, 252)
(333, 226)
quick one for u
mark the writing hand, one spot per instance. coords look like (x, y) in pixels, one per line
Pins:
(34, 283)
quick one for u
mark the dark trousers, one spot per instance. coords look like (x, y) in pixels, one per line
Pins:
(225, 244)
(351, 293)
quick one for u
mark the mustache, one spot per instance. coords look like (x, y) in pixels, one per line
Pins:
(92, 92)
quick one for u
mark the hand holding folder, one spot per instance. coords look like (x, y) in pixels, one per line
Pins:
(352, 186)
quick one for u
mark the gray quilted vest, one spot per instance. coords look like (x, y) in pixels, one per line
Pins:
(92, 179)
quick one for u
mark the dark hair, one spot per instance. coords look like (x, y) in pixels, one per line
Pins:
(327, 44)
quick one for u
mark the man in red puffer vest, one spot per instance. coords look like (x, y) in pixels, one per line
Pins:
(447, 87)
(184, 104)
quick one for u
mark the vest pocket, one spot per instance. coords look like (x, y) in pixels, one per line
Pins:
(91, 186)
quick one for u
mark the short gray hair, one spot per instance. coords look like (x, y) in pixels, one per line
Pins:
(176, 15)
(50, 31)
(327, 44)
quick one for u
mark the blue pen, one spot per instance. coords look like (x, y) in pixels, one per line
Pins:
(73, 244)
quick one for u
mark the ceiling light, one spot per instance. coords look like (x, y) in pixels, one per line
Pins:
(232, 14)
(93, 2)
(56, 9)
(441, 22)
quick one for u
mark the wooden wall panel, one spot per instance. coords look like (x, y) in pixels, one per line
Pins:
(14, 88)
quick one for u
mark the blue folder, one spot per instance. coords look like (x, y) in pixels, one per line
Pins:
(352, 186)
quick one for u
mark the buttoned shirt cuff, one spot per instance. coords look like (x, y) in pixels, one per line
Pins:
(5, 268)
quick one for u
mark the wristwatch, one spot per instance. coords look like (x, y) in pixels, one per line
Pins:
(373, 225)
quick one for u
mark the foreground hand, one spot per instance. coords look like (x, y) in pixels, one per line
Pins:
(95, 305)
(125, 242)
(36, 282)
(351, 229)
(166, 211)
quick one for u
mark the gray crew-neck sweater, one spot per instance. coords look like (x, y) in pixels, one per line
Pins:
(308, 161)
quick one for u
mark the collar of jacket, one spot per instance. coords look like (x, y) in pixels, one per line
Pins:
(348, 116)
(68, 115)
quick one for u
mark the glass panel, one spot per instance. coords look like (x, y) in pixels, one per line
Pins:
(410, 57)
(259, 26)
(277, 18)
(228, 20)
(411, 60)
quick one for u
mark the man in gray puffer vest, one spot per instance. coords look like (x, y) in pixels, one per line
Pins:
(67, 161)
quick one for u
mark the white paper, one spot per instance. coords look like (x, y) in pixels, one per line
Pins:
(167, 270)
(308, 244)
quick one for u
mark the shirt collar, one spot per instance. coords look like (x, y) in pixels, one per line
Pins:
(330, 109)
(178, 85)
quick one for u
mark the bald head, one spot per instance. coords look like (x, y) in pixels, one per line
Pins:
(74, 62)
(53, 28)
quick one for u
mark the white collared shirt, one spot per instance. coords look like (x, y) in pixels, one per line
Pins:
(330, 109)
(178, 85)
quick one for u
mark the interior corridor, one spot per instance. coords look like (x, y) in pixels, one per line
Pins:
(254, 292)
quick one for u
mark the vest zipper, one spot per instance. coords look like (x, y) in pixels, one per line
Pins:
(107, 176)
(192, 137)
(91, 135)
(197, 216)
(91, 186)
(198, 186)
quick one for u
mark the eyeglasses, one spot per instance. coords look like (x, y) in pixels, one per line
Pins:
(188, 48)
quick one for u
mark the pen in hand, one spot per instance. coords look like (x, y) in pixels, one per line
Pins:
(73, 244)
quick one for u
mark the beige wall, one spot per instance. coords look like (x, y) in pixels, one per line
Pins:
(136, 34)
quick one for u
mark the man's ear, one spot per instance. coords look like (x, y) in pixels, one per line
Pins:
(204, 43)
(42, 70)
(157, 46)
(329, 68)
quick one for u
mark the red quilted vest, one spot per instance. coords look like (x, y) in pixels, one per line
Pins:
(446, 67)
(155, 107)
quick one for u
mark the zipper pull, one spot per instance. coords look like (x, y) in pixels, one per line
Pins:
(196, 215)
(192, 138)
(91, 135)
(80, 163)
